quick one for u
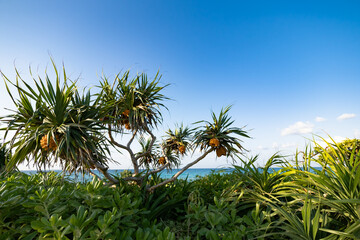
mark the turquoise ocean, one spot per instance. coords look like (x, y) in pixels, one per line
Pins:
(191, 174)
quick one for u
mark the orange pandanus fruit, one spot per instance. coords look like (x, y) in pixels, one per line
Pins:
(182, 149)
(221, 151)
(214, 142)
(126, 113)
(52, 144)
(127, 125)
(125, 121)
(162, 160)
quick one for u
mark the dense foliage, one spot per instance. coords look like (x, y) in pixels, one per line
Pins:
(278, 201)
(55, 122)
(4, 157)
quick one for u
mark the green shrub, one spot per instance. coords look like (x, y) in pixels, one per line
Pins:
(295, 202)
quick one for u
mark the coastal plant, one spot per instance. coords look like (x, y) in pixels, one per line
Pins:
(333, 187)
(32, 207)
(56, 123)
(218, 183)
(315, 197)
(149, 153)
(307, 223)
(259, 185)
(179, 140)
(262, 179)
(336, 182)
(46, 205)
(220, 135)
(342, 150)
(221, 221)
(4, 157)
(168, 202)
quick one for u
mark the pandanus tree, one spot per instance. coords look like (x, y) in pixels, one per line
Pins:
(57, 123)
(54, 124)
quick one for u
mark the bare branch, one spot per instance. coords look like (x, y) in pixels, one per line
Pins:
(104, 171)
(94, 174)
(132, 139)
(181, 171)
(113, 140)
(159, 169)
(127, 148)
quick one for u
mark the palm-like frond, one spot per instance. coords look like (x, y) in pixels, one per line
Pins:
(55, 115)
(335, 184)
(338, 181)
(172, 157)
(158, 151)
(220, 128)
(263, 180)
(139, 98)
(306, 224)
(152, 155)
(179, 140)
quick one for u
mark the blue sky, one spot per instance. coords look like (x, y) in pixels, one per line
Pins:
(282, 64)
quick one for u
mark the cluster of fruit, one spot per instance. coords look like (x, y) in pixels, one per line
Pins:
(51, 144)
(125, 119)
(220, 150)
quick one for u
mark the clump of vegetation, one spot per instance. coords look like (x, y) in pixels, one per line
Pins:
(56, 123)
(4, 157)
(279, 201)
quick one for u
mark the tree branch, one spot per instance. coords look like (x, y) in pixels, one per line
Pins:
(132, 139)
(113, 140)
(104, 171)
(159, 169)
(127, 148)
(180, 172)
(94, 174)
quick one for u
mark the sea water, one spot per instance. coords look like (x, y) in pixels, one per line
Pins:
(190, 174)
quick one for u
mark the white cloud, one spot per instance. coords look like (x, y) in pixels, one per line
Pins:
(320, 119)
(275, 145)
(346, 116)
(260, 147)
(298, 128)
(288, 145)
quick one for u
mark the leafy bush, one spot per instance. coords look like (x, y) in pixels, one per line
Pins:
(56, 208)
(295, 202)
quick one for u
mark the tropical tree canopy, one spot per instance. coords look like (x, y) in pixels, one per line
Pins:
(56, 123)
